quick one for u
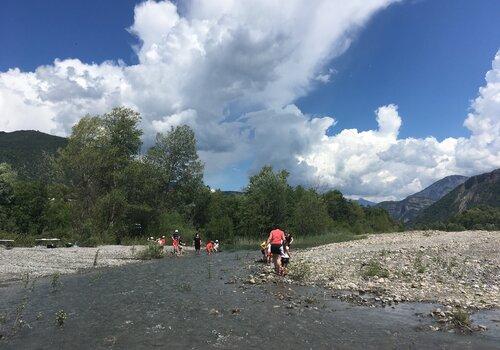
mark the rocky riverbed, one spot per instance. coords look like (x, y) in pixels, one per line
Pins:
(451, 268)
(17, 263)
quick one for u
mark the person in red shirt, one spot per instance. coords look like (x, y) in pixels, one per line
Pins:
(209, 247)
(276, 239)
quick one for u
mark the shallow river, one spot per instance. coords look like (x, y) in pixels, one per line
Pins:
(199, 302)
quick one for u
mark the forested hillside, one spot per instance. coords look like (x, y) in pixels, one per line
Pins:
(26, 150)
(408, 208)
(473, 204)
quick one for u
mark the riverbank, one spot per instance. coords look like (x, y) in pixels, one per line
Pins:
(450, 268)
(17, 263)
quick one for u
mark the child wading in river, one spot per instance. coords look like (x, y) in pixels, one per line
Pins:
(176, 246)
(209, 247)
(285, 258)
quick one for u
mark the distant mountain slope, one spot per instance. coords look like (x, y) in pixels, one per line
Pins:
(365, 203)
(24, 150)
(232, 193)
(479, 190)
(408, 208)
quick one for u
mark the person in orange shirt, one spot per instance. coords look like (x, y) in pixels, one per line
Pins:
(276, 239)
(209, 247)
(175, 244)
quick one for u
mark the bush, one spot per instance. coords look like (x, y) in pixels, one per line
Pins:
(374, 268)
(418, 264)
(299, 270)
(169, 221)
(152, 251)
(20, 240)
(460, 318)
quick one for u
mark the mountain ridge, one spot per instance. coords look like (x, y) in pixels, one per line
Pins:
(24, 150)
(479, 190)
(408, 208)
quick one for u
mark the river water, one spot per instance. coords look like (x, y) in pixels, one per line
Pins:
(199, 302)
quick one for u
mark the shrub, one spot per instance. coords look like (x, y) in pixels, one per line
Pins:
(374, 268)
(418, 265)
(299, 270)
(61, 317)
(184, 287)
(55, 282)
(152, 251)
(170, 221)
(460, 318)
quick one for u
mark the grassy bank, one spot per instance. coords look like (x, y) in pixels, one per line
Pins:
(298, 242)
(241, 243)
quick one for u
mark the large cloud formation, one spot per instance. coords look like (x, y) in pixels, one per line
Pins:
(232, 70)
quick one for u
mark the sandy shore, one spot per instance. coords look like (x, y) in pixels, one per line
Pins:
(452, 268)
(40, 261)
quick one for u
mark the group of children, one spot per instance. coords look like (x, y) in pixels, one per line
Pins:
(210, 246)
(277, 249)
(177, 244)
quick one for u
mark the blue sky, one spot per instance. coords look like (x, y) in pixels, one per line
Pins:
(428, 58)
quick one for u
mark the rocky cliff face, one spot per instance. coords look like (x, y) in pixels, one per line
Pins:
(478, 190)
(408, 208)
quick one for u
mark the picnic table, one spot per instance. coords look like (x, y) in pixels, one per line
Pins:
(49, 242)
(7, 243)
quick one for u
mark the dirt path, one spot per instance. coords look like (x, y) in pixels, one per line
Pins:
(452, 268)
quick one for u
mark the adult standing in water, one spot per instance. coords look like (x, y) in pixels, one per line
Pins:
(276, 239)
(197, 243)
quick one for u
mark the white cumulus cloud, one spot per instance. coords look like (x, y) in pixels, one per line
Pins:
(232, 70)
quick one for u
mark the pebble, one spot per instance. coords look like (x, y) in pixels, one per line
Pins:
(450, 278)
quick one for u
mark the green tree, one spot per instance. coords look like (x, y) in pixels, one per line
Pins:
(94, 165)
(223, 216)
(266, 202)
(379, 220)
(28, 206)
(310, 215)
(8, 178)
(343, 211)
(179, 171)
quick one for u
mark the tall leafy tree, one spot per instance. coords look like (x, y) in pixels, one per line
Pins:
(176, 164)
(94, 164)
(310, 215)
(29, 206)
(8, 178)
(266, 201)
